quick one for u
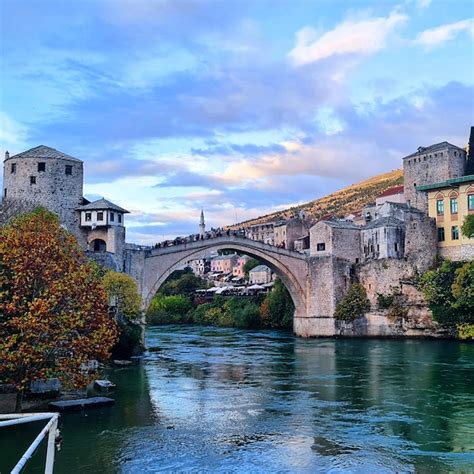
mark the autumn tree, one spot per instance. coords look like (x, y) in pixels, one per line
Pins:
(53, 306)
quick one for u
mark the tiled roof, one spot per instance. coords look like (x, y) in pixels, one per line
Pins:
(432, 148)
(45, 152)
(384, 222)
(259, 268)
(341, 224)
(392, 191)
(102, 204)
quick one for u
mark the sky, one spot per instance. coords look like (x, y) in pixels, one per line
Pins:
(236, 107)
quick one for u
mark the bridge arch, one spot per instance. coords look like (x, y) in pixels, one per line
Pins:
(289, 266)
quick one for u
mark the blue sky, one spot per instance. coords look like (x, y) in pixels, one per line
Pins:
(238, 107)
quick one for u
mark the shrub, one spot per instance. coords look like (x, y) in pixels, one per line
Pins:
(397, 312)
(169, 309)
(465, 331)
(449, 292)
(354, 305)
(385, 301)
(467, 228)
(247, 317)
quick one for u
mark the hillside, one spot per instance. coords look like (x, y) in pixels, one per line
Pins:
(340, 203)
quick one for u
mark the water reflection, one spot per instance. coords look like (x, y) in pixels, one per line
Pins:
(216, 399)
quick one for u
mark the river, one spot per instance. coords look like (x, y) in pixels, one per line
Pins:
(218, 399)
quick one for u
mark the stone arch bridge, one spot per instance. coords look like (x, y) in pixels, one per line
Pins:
(152, 267)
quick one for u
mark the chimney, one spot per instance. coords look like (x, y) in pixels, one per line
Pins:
(7, 155)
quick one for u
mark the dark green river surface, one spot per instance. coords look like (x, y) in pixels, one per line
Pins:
(228, 400)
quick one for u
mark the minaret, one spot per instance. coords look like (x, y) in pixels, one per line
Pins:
(202, 225)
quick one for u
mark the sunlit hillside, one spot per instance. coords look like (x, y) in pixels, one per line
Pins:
(340, 203)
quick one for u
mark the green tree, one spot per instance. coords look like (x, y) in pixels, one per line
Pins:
(467, 228)
(277, 309)
(182, 282)
(53, 307)
(123, 294)
(436, 286)
(354, 304)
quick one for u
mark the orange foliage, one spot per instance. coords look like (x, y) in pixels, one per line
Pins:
(53, 308)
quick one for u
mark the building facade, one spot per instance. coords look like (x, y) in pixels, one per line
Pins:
(449, 203)
(223, 263)
(261, 232)
(260, 275)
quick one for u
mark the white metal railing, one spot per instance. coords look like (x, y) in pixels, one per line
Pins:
(51, 429)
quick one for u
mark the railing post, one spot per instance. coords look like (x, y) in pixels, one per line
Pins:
(48, 469)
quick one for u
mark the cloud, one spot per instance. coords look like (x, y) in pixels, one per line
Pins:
(364, 36)
(436, 36)
(13, 135)
(424, 3)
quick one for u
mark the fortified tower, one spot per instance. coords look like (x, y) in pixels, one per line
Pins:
(48, 178)
(430, 165)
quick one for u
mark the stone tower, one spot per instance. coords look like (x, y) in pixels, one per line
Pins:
(202, 225)
(470, 154)
(429, 165)
(48, 178)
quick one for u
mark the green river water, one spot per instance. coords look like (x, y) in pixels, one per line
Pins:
(227, 400)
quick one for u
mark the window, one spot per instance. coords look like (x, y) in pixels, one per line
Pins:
(321, 247)
(88, 216)
(396, 247)
(100, 216)
(120, 217)
(5, 192)
(112, 217)
(32, 179)
(440, 207)
(13, 168)
(414, 185)
(454, 205)
(440, 234)
(41, 167)
(470, 202)
(454, 232)
(68, 170)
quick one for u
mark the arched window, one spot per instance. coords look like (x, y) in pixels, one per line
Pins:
(98, 245)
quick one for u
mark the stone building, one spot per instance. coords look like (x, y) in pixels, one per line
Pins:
(430, 165)
(47, 178)
(395, 194)
(200, 266)
(339, 239)
(260, 275)
(449, 202)
(104, 227)
(287, 232)
(223, 263)
(261, 232)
